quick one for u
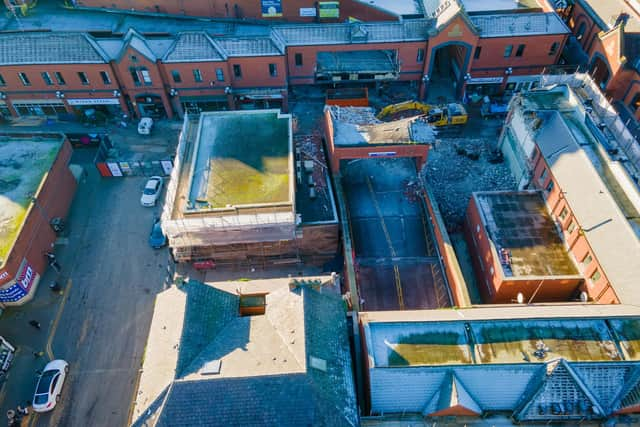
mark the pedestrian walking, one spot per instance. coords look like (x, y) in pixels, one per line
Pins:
(37, 354)
(35, 324)
(22, 411)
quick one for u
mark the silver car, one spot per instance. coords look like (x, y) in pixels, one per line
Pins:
(151, 192)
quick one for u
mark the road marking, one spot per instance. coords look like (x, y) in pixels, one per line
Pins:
(33, 418)
(54, 327)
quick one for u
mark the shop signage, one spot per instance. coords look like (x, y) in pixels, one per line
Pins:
(329, 9)
(271, 8)
(4, 275)
(485, 80)
(94, 101)
(22, 285)
(308, 11)
(383, 154)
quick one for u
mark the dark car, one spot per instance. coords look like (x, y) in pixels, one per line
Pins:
(157, 239)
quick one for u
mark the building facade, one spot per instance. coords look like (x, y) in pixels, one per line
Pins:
(450, 53)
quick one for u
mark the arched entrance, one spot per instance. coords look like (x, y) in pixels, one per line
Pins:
(600, 71)
(447, 67)
(150, 105)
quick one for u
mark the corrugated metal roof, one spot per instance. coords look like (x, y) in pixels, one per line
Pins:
(519, 24)
(250, 46)
(193, 47)
(379, 32)
(49, 48)
(609, 233)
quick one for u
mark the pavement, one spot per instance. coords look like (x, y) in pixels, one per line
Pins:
(100, 320)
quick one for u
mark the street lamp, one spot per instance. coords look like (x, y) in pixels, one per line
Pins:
(59, 94)
(467, 77)
(508, 71)
(3, 95)
(228, 90)
(116, 93)
(425, 79)
(173, 92)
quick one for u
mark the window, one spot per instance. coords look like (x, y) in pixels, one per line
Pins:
(46, 78)
(2, 81)
(635, 102)
(133, 58)
(572, 226)
(298, 58)
(105, 77)
(596, 276)
(135, 77)
(587, 260)
(554, 48)
(146, 77)
(175, 75)
(83, 77)
(59, 78)
(520, 50)
(24, 79)
(550, 186)
(273, 70)
(564, 213)
(237, 71)
(220, 74)
(543, 176)
(420, 56)
(581, 30)
(507, 50)
(476, 53)
(197, 75)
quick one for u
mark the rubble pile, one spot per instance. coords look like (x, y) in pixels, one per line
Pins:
(453, 174)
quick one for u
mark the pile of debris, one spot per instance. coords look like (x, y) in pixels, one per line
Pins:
(459, 166)
(355, 115)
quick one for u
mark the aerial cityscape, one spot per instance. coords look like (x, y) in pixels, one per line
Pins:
(374, 213)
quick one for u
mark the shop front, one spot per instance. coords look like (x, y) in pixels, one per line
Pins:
(151, 106)
(19, 288)
(521, 83)
(95, 110)
(259, 99)
(39, 107)
(198, 104)
(5, 113)
(478, 87)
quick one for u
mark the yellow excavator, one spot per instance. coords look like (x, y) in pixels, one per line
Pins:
(445, 115)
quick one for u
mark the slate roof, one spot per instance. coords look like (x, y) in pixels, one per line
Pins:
(193, 47)
(267, 374)
(609, 233)
(49, 48)
(250, 46)
(519, 24)
(378, 32)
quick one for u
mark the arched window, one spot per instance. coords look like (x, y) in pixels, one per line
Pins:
(635, 102)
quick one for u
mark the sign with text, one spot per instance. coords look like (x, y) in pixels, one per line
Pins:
(383, 154)
(271, 8)
(94, 101)
(329, 9)
(22, 285)
(484, 80)
(308, 11)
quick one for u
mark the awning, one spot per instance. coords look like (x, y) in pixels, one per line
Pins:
(358, 61)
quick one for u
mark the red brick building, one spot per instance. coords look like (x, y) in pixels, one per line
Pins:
(449, 54)
(29, 202)
(609, 33)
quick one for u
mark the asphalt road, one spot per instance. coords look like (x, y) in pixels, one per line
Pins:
(102, 326)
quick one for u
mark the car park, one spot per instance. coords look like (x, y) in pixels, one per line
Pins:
(151, 192)
(49, 385)
(157, 238)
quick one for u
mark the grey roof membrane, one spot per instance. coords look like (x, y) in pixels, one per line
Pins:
(193, 47)
(250, 46)
(48, 48)
(505, 25)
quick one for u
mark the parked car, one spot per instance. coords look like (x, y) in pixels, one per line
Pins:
(145, 125)
(157, 239)
(151, 192)
(49, 386)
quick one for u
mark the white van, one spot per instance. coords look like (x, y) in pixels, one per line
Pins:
(145, 125)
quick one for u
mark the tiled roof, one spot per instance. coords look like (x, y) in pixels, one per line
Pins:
(253, 46)
(49, 48)
(193, 47)
(506, 25)
(379, 32)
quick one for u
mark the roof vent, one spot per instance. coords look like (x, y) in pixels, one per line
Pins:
(541, 350)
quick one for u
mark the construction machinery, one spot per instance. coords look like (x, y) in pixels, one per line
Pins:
(445, 115)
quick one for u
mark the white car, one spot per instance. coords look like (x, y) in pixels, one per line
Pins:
(145, 125)
(151, 192)
(49, 385)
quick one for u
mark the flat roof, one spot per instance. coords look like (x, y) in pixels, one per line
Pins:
(519, 223)
(242, 158)
(521, 341)
(24, 161)
(472, 6)
(358, 126)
